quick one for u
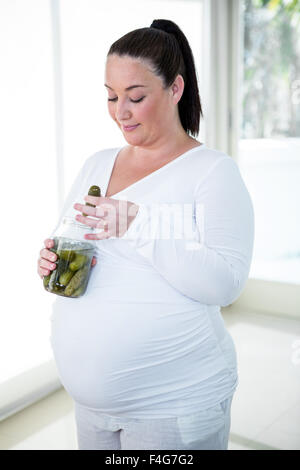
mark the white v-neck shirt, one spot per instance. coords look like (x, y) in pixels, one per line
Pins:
(147, 340)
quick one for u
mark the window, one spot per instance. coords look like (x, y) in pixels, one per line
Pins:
(29, 184)
(269, 148)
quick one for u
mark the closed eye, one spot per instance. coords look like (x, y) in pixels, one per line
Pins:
(133, 101)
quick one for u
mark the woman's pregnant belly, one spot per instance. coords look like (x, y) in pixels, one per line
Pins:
(127, 343)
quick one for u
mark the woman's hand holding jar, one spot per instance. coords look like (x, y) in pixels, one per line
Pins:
(47, 259)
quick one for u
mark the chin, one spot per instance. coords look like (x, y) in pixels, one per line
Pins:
(133, 140)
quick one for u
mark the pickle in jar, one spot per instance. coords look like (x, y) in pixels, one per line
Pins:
(78, 279)
(79, 261)
(67, 255)
(46, 280)
(65, 278)
(78, 292)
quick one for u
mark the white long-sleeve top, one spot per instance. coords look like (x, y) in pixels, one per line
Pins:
(148, 339)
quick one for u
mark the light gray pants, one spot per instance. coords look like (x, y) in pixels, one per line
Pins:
(203, 430)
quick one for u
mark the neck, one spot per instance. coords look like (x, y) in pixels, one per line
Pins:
(165, 148)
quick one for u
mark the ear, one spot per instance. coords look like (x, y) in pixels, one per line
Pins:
(177, 88)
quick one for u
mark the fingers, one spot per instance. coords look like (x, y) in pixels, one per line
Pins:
(46, 266)
(48, 255)
(91, 222)
(105, 213)
(94, 261)
(85, 209)
(92, 211)
(98, 236)
(96, 200)
(43, 272)
(46, 262)
(49, 243)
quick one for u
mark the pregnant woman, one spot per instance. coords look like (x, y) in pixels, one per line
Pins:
(145, 353)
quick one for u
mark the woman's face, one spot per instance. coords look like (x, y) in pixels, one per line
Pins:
(149, 106)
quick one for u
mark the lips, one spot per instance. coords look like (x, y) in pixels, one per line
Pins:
(130, 128)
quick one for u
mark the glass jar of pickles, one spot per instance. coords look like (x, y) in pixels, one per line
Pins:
(74, 259)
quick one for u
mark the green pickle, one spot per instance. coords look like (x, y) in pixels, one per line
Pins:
(46, 280)
(78, 262)
(62, 266)
(65, 278)
(78, 279)
(93, 191)
(79, 291)
(67, 255)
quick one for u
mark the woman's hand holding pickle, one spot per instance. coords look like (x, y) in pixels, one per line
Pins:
(113, 216)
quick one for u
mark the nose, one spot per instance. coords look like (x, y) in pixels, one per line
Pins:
(122, 111)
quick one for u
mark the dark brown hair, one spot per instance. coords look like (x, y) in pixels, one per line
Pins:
(166, 48)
